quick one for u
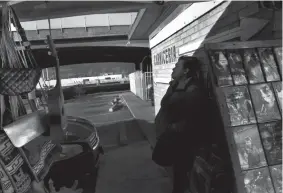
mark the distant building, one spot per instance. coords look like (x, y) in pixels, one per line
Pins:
(116, 78)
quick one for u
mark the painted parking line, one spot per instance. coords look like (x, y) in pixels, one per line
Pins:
(125, 102)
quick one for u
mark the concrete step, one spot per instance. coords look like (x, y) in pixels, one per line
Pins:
(119, 134)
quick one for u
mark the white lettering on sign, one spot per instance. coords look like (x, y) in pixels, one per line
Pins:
(166, 56)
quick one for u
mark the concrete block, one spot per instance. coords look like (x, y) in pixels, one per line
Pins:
(102, 30)
(184, 30)
(179, 43)
(123, 139)
(179, 32)
(220, 8)
(183, 35)
(190, 31)
(194, 23)
(173, 41)
(75, 32)
(187, 39)
(32, 34)
(205, 31)
(202, 18)
(195, 36)
(56, 34)
(177, 38)
(119, 29)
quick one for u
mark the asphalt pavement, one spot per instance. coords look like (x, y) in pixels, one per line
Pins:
(126, 166)
(129, 169)
(95, 108)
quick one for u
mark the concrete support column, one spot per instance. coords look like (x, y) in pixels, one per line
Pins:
(137, 66)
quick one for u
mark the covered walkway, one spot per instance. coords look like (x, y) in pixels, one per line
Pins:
(127, 136)
(129, 169)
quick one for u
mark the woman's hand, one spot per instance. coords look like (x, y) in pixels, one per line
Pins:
(38, 187)
(73, 189)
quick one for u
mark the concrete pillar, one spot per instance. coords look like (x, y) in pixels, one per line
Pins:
(137, 66)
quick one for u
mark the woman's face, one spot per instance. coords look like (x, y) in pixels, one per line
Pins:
(266, 140)
(179, 70)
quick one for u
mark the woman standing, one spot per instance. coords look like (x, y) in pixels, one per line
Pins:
(182, 116)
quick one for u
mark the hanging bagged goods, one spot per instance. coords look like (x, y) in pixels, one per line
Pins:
(19, 75)
(16, 57)
(19, 72)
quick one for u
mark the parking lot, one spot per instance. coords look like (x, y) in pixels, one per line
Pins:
(126, 166)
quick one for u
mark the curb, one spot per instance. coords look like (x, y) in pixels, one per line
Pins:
(152, 144)
(123, 139)
(139, 124)
(166, 171)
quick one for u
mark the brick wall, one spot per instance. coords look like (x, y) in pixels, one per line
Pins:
(219, 24)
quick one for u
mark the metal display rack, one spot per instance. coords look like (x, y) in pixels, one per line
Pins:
(251, 109)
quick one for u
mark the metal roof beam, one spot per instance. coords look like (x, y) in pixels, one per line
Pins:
(136, 23)
(10, 2)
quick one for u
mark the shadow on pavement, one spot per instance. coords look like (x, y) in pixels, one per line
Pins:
(129, 169)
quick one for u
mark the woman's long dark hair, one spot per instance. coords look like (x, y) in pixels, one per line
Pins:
(194, 66)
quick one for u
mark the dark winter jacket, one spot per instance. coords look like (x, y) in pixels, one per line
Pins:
(184, 107)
